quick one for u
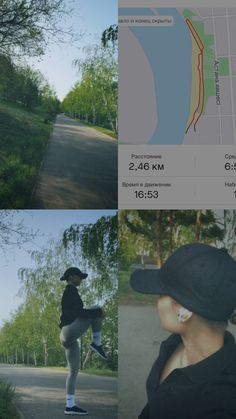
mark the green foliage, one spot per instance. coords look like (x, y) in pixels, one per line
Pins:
(27, 87)
(138, 231)
(23, 142)
(98, 245)
(32, 334)
(13, 233)
(95, 98)
(158, 233)
(110, 35)
(26, 26)
(7, 406)
(24, 135)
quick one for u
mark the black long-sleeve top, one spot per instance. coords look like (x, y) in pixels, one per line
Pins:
(205, 390)
(72, 307)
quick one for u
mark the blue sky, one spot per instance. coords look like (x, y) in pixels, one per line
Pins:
(51, 224)
(90, 17)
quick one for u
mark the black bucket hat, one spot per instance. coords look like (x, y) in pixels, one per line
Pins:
(201, 278)
(73, 271)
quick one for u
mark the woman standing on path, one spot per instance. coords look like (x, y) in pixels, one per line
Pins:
(74, 322)
(195, 374)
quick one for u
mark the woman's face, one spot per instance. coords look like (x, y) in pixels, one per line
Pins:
(75, 280)
(168, 308)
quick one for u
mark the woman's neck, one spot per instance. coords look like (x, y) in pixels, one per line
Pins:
(200, 343)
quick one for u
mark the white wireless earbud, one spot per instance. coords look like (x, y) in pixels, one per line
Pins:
(183, 314)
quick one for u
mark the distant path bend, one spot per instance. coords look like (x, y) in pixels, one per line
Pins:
(79, 170)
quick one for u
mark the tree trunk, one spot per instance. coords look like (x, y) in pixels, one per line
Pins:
(94, 116)
(35, 359)
(16, 357)
(45, 348)
(198, 224)
(23, 356)
(159, 237)
(87, 358)
(108, 112)
(116, 125)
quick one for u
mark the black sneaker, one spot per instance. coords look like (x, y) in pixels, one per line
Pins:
(75, 410)
(99, 350)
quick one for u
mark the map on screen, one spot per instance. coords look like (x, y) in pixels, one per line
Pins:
(177, 76)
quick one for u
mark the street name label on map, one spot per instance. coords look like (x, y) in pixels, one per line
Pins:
(146, 21)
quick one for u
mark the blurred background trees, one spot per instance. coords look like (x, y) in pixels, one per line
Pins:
(94, 98)
(148, 238)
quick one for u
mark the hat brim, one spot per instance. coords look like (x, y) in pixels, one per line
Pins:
(148, 281)
(83, 275)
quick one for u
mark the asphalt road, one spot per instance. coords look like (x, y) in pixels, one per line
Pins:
(42, 393)
(79, 170)
(140, 336)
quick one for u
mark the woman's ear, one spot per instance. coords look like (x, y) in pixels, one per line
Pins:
(183, 314)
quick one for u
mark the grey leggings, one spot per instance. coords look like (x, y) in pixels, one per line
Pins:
(68, 337)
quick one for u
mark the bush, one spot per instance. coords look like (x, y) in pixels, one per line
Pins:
(7, 405)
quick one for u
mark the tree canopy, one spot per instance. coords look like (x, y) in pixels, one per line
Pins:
(110, 35)
(160, 232)
(13, 233)
(31, 334)
(94, 98)
(26, 26)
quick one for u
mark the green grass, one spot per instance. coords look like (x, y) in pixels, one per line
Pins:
(104, 131)
(101, 129)
(23, 141)
(127, 295)
(7, 402)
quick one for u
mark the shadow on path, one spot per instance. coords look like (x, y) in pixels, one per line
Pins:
(79, 170)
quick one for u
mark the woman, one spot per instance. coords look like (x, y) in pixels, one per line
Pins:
(75, 320)
(194, 376)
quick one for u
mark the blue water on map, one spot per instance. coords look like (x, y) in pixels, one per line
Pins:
(169, 51)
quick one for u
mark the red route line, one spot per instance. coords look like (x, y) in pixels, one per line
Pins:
(200, 72)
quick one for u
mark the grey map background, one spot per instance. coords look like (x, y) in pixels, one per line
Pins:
(138, 104)
(175, 3)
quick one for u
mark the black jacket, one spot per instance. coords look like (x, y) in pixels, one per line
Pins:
(72, 307)
(206, 390)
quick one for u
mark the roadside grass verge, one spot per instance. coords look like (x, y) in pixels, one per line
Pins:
(97, 128)
(103, 130)
(7, 402)
(126, 293)
(23, 142)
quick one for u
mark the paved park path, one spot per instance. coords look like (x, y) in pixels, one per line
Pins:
(79, 170)
(42, 392)
(140, 336)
